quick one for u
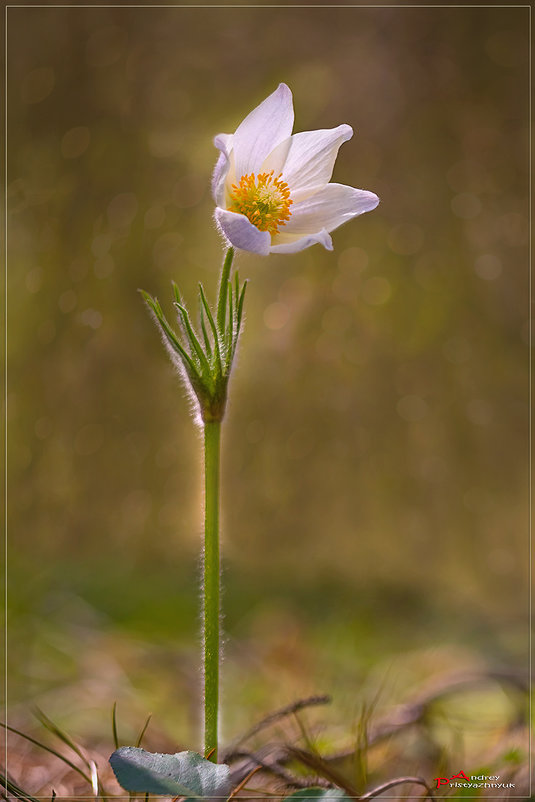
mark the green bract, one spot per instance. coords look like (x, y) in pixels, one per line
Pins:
(205, 360)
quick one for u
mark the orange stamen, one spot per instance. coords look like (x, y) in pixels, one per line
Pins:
(263, 199)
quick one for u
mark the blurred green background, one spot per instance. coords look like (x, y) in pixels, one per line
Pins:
(375, 450)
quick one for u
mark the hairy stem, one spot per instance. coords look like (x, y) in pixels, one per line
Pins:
(212, 442)
(212, 451)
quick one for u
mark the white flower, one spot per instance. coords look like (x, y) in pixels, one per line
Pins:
(272, 189)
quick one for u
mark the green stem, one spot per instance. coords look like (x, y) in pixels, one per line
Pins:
(212, 442)
(223, 288)
(212, 451)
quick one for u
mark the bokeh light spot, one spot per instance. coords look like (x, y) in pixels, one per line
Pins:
(412, 408)
(101, 245)
(276, 315)
(75, 142)
(466, 205)
(488, 266)
(91, 318)
(376, 291)
(122, 210)
(501, 561)
(104, 266)
(479, 411)
(154, 217)
(353, 259)
(67, 301)
(515, 228)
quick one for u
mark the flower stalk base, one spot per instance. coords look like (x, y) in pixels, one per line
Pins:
(212, 450)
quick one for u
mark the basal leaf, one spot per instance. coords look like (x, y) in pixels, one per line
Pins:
(184, 773)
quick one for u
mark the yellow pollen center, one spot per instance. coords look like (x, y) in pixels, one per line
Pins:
(263, 199)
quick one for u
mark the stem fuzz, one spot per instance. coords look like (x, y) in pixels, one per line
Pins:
(212, 444)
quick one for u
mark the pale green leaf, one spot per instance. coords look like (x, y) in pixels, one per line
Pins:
(184, 773)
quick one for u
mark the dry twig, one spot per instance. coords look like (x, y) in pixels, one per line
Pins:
(295, 707)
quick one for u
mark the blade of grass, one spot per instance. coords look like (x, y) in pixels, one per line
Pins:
(61, 734)
(362, 745)
(271, 766)
(304, 733)
(143, 730)
(300, 704)
(243, 783)
(48, 749)
(319, 765)
(18, 793)
(114, 725)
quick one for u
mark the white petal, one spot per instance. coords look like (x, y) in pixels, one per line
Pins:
(311, 158)
(241, 233)
(224, 143)
(288, 244)
(329, 208)
(277, 158)
(262, 130)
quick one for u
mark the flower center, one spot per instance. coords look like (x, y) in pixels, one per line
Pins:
(263, 199)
